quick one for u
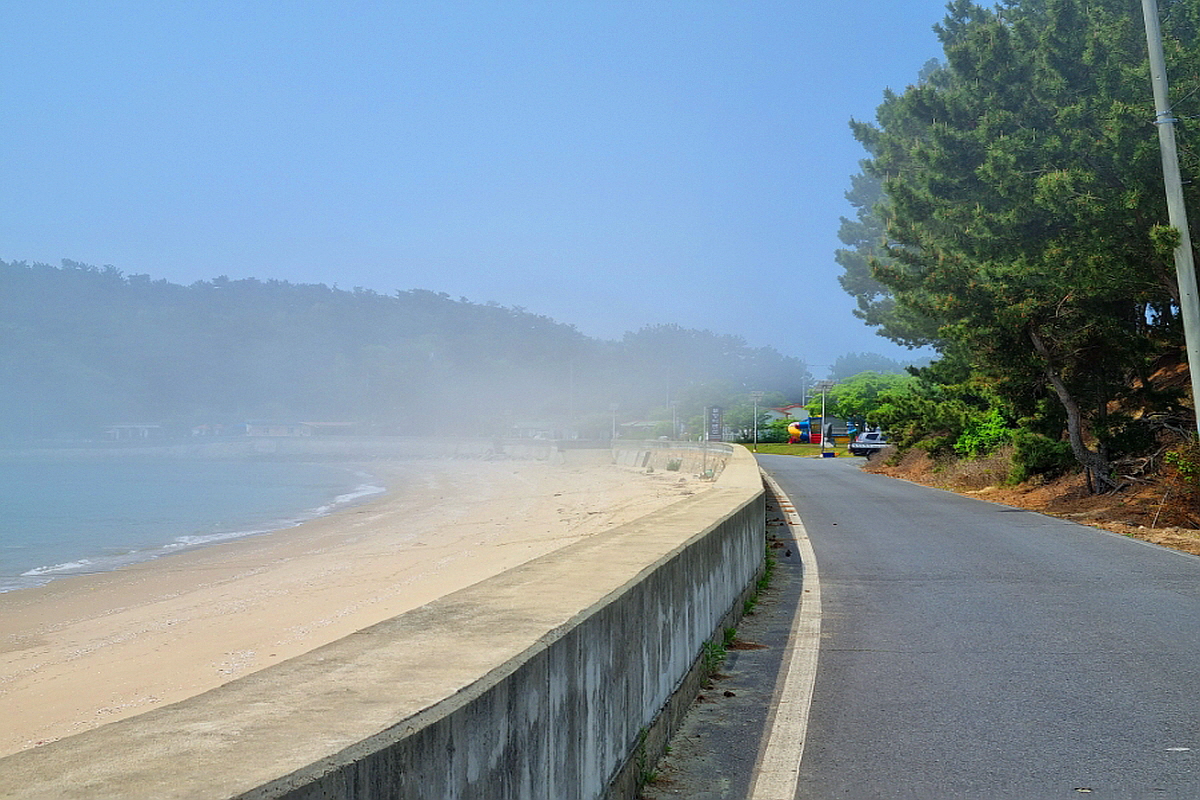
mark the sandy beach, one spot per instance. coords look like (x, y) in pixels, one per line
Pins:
(84, 651)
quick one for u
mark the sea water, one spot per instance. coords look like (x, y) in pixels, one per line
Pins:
(74, 517)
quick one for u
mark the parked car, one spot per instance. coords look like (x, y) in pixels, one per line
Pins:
(868, 442)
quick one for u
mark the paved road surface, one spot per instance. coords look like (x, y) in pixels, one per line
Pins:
(975, 650)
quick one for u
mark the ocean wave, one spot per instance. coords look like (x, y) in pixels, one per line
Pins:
(339, 502)
(360, 493)
(55, 569)
(196, 540)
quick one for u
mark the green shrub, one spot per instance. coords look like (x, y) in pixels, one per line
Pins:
(774, 431)
(936, 445)
(982, 433)
(1034, 454)
(1183, 466)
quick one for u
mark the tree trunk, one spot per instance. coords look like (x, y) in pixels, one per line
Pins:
(1095, 465)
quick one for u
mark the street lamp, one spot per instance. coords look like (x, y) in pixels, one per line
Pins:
(824, 387)
(805, 383)
(756, 396)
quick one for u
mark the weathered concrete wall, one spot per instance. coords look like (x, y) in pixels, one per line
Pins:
(534, 684)
(697, 459)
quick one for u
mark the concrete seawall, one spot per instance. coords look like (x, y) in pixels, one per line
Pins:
(538, 683)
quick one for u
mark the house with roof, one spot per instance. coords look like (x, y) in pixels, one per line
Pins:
(792, 411)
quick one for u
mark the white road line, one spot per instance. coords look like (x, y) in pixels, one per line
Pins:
(778, 770)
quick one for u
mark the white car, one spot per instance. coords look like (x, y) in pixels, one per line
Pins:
(868, 442)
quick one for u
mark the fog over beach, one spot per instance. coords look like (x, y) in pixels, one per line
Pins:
(87, 650)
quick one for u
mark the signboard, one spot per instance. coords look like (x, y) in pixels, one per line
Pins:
(715, 423)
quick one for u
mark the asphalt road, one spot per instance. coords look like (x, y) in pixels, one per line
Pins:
(975, 650)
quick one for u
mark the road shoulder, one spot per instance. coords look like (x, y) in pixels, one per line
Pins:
(716, 754)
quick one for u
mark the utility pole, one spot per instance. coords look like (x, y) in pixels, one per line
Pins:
(1185, 268)
(824, 427)
(824, 387)
(756, 396)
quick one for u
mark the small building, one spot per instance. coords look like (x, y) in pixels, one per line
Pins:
(793, 411)
(639, 429)
(125, 433)
(275, 428)
(269, 428)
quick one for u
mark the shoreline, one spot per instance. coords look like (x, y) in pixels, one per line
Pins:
(85, 650)
(187, 534)
(168, 553)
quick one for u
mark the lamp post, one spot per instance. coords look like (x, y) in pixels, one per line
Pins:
(613, 408)
(756, 396)
(806, 382)
(824, 387)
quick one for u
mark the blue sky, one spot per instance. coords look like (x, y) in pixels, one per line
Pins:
(608, 164)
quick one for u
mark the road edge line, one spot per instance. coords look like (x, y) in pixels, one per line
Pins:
(777, 773)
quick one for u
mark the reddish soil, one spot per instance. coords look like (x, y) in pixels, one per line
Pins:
(1152, 510)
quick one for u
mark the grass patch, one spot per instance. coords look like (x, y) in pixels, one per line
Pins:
(730, 635)
(713, 656)
(646, 772)
(811, 450)
(764, 580)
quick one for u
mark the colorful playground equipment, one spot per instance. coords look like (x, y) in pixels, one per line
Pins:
(807, 431)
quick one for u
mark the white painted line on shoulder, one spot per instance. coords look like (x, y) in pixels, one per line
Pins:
(777, 772)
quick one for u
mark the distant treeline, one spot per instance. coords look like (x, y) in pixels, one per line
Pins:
(82, 348)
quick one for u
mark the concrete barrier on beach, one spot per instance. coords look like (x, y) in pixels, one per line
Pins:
(542, 682)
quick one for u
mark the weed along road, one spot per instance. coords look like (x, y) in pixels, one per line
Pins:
(969, 649)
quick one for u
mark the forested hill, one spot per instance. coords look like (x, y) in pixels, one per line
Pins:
(82, 348)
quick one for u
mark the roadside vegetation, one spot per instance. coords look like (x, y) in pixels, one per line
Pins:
(1010, 215)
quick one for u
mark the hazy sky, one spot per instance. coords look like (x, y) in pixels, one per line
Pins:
(607, 164)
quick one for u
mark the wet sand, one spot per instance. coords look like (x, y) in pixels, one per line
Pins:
(84, 651)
